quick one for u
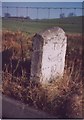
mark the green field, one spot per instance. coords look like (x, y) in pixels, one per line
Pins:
(70, 25)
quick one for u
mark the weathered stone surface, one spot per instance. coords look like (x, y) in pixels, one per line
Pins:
(48, 57)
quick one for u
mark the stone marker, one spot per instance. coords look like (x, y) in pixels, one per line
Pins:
(48, 56)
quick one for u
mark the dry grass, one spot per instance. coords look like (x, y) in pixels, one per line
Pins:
(16, 41)
(62, 98)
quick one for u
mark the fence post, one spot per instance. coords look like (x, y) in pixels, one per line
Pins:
(48, 13)
(27, 12)
(16, 11)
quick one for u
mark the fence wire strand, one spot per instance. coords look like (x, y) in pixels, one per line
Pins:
(38, 14)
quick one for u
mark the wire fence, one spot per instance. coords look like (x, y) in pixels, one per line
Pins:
(40, 12)
(24, 18)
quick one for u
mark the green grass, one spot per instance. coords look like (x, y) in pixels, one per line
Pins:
(70, 25)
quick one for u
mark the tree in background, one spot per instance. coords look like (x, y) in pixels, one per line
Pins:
(62, 15)
(28, 18)
(71, 14)
(7, 15)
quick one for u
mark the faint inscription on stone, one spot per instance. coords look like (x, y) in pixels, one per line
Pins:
(48, 56)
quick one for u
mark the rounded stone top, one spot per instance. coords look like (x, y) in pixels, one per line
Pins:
(51, 31)
(50, 34)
